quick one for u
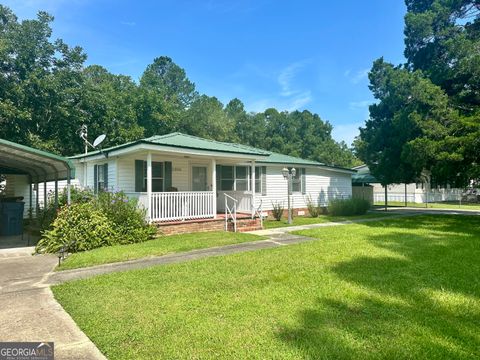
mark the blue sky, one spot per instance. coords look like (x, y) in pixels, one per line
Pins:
(311, 55)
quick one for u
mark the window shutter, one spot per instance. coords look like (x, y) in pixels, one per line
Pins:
(304, 181)
(264, 180)
(105, 176)
(168, 175)
(95, 179)
(138, 175)
(219, 176)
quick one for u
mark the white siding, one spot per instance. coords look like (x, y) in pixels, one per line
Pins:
(321, 185)
(18, 185)
(181, 171)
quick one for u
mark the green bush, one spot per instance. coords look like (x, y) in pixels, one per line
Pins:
(313, 208)
(112, 219)
(78, 227)
(277, 210)
(48, 214)
(128, 219)
(348, 207)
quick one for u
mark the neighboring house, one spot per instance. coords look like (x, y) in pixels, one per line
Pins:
(420, 192)
(182, 177)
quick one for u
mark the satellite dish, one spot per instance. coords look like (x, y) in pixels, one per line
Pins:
(99, 140)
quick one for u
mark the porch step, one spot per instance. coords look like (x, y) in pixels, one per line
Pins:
(244, 225)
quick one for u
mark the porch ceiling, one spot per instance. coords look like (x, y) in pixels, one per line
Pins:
(39, 165)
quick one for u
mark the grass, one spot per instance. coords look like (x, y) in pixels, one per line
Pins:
(160, 246)
(393, 289)
(440, 205)
(307, 220)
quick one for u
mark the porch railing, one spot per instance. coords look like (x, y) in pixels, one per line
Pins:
(171, 206)
(175, 206)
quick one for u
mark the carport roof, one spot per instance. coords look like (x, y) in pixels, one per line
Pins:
(40, 165)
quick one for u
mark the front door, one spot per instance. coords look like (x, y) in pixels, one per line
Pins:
(199, 178)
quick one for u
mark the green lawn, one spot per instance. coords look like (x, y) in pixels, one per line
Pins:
(307, 220)
(441, 205)
(160, 246)
(394, 289)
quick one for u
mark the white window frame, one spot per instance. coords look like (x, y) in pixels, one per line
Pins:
(153, 177)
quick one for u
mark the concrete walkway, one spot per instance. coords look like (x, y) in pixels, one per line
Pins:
(29, 311)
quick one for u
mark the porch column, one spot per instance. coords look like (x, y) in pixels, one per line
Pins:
(214, 187)
(252, 187)
(37, 198)
(69, 196)
(30, 200)
(45, 194)
(149, 185)
(56, 193)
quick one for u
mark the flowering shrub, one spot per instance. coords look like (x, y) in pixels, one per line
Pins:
(127, 218)
(108, 219)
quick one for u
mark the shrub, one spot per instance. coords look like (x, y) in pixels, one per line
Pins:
(313, 208)
(78, 227)
(128, 219)
(277, 210)
(348, 207)
(48, 214)
(113, 219)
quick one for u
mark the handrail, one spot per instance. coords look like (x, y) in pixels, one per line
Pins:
(232, 211)
(258, 211)
(230, 197)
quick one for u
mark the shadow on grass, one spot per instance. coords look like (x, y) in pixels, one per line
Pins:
(423, 301)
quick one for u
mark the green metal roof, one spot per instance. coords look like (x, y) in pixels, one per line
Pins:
(179, 140)
(276, 158)
(363, 176)
(40, 165)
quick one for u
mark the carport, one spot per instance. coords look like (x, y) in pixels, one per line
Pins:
(33, 167)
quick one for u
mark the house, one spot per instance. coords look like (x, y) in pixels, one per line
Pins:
(364, 184)
(180, 179)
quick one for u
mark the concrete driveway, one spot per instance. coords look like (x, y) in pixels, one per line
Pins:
(29, 311)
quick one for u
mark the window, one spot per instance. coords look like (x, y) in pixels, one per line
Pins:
(157, 176)
(100, 173)
(235, 178)
(258, 179)
(297, 181)
(227, 178)
(241, 178)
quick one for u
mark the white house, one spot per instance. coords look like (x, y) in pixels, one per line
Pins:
(179, 177)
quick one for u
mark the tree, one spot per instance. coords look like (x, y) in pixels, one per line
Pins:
(427, 113)
(207, 118)
(41, 82)
(165, 93)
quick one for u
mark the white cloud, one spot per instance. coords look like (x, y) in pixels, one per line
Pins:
(287, 75)
(128, 23)
(346, 132)
(356, 105)
(358, 76)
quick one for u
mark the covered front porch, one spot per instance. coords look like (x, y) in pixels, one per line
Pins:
(195, 188)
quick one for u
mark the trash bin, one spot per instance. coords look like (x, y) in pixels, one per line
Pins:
(11, 218)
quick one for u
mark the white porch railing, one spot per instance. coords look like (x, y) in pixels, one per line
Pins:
(188, 205)
(174, 206)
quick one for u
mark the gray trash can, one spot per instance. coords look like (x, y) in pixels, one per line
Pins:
(11, 218)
